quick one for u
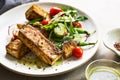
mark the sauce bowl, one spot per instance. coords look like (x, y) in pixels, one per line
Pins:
(103, 69)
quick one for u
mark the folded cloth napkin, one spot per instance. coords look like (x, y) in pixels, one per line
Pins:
(8, 4)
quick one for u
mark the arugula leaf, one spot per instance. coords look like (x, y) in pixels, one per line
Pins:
(71, 28)
(68, 38)
(81, 18)
(77, 37)
(73, 13)
(50, 35)
(35, 20)
(65, 8)
(59, 44)
(50, 26)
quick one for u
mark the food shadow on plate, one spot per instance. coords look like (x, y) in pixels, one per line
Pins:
(7, 56)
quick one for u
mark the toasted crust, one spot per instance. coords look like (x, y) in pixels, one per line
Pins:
(68, 47)
(16, 48)
(39, 45)
(20, 26)
(35, 12)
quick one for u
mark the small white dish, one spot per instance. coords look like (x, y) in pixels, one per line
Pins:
(110, 38)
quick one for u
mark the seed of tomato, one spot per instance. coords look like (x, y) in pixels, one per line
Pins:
(77, 24)
(77, 52)
(45, 21)
(55, 10)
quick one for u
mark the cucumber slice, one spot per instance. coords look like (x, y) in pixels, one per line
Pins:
(60, 30)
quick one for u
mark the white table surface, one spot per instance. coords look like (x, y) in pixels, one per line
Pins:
(106, 14)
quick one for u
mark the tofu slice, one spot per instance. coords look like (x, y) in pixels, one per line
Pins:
(68, 47)
(39, 45)
(41, 29)
(35, 12)
(17, 49)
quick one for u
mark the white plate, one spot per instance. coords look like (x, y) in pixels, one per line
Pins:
(17, 15)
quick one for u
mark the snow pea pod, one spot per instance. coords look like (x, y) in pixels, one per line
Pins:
(81, 31)
(86, 43)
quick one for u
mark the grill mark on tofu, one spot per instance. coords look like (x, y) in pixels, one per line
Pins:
(68, 47)
(39, 45)
(40, 28)
(35, 12)
(17, 49)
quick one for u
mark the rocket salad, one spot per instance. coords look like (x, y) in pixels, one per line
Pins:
(64, 25)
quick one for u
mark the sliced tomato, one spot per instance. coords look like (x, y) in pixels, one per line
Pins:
(77, 52)
(55, 10)
(45, 21)
(77, 24)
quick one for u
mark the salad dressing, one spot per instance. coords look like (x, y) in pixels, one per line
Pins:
(104, 73)
(36, 62)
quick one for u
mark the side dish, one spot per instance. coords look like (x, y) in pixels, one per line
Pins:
(57, 34)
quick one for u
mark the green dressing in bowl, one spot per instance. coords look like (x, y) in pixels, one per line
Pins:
(104, 73)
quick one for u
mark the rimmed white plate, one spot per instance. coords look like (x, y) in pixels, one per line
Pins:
(17, 15)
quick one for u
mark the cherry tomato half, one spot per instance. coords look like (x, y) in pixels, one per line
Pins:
(77, 24)
(45, 21)
(55, 10)
(77, 52)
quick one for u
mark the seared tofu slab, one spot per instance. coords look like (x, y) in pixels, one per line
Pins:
(17, 49)
(39, 45)
(68, 48)
(35, 12)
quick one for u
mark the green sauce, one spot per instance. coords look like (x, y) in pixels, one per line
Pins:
(104, 73)
(33, 61)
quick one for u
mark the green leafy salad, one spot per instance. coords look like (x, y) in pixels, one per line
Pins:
(65, 25)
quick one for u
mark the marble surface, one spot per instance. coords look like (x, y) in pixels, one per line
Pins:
(105, 13)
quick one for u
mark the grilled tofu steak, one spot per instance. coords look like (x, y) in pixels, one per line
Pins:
(40, 28)
(17, 49)
(68, 47)
(35, 12)
(39, 45)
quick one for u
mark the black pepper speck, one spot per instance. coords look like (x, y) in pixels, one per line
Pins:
(29, 68)
(44, 69)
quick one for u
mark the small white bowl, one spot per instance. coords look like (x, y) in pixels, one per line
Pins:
(110, 38)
